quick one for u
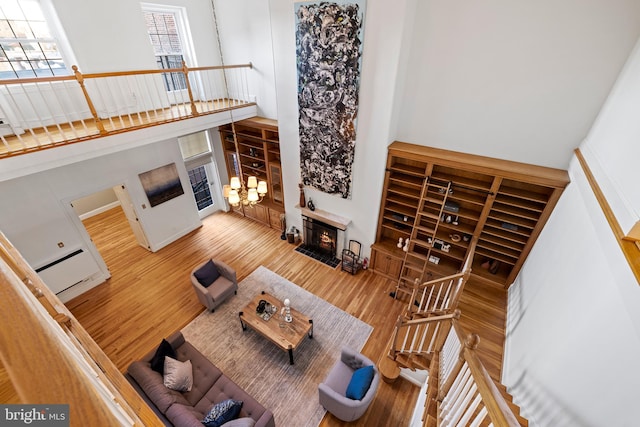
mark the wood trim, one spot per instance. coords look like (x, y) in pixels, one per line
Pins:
(534, 174)
(42, 378)
(499, 411)
(629, 248)
(341, 223)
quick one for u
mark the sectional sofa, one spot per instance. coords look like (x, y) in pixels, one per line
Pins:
(210, 386)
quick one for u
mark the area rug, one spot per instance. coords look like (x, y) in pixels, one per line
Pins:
(262, 369)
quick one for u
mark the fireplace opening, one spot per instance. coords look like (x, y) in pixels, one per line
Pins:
(320, 241)
(320, 237)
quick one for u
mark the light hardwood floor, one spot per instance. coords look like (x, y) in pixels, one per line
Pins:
(149, 296)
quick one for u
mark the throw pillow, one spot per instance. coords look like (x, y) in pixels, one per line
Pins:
(178, 375)
(157, 361)
(207, 274)
(222, 412)
(360, 383)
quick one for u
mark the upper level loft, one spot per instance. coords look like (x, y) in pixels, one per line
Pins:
(41, 113)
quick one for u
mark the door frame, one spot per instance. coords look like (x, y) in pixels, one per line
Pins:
(124, 197)
(215, 186)
(84, 234)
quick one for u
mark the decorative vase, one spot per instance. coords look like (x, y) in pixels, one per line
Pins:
(406, 246)
(283, 226)
(302, 200)
(400, 243)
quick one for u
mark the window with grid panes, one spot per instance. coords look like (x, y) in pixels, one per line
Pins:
(28, 48)
(163, 33)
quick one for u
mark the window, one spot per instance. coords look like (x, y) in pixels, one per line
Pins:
(197, 155)
(163, 32)
(200, 186)
(27, 46)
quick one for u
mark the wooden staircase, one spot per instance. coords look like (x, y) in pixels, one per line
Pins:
(459, 390)
(433, 197)
(427, 337)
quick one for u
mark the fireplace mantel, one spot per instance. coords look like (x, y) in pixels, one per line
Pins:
(337, 221)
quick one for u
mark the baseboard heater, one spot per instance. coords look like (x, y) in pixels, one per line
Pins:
(68, 271)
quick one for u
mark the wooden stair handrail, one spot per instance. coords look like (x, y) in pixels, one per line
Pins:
(72, 77)
(150, 104)
(463, 275)
(499, 410)
(54, 375)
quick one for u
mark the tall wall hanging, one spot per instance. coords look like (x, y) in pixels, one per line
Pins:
(329, 38)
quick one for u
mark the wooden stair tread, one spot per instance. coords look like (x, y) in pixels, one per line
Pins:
(413, 361)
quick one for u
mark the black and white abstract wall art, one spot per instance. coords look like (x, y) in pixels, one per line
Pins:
(329, 37)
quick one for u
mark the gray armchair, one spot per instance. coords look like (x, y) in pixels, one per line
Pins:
(214, 282)
(333, 390)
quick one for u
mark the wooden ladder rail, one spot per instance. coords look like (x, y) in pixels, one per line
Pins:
(414, 264)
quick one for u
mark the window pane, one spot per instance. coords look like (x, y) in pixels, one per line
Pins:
(193, 145)
(41, 69)
(5, 29)
(21, 29)
(200, 186)
(6, 72)
(13, 51)
(11, 9)
(33, 50)
(32, 10)
(40, 30)
(27, 42)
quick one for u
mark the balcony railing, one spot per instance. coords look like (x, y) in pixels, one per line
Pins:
(41, 113)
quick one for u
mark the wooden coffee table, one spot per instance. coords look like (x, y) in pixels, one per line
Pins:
(286, 335)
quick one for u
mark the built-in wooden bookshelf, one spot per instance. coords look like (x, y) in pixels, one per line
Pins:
(258, 155)
(504, 204)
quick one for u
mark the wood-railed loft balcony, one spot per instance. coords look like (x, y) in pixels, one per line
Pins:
(41, 113)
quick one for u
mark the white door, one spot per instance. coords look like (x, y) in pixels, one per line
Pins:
(203, 183)
(132, 216)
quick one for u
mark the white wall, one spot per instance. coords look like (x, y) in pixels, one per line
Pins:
(613, 145)
(112, 36)
(573, 327)
(516, 80)
(95, 203)
(383, 31)
(35, 213)
(245, 28)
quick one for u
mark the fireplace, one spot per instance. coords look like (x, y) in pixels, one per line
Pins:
(323, 236)
(320, 237)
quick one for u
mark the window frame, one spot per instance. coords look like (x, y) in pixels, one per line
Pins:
(57, 35)
(182, 25)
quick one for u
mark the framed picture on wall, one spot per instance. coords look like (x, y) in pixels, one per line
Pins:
(161, 184)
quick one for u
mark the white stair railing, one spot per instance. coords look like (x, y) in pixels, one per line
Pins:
(466, 392)
(45, 112)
